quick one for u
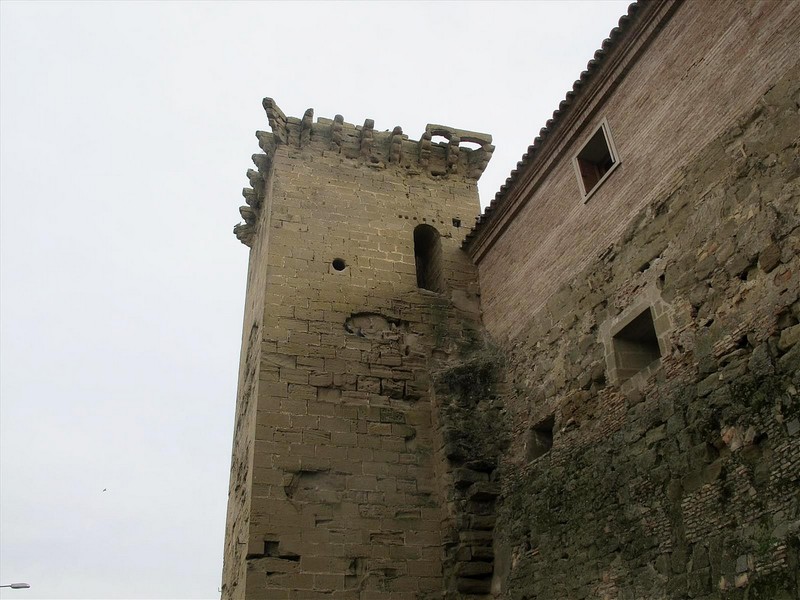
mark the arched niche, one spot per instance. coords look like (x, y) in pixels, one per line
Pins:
(428, 258)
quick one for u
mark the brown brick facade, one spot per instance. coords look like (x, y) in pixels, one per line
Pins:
(680, 482)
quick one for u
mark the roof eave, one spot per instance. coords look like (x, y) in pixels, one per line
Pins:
(604, 72)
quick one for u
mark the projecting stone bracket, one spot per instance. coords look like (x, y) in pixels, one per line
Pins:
(396, 144)
(305, 127)
(266, 142)
(277, 120)
(366, 138)
(263, 162)
(256, 182)
(250, 196)
(253, 196)
(381, 150)
(248, 214)
(337, 135)
(477, 159)
(425, 149)
(245, 233)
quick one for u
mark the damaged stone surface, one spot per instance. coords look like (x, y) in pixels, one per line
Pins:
(338, 449)
(474, 435)
(682, 481)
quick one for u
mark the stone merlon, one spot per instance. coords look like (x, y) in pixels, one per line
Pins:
(379, 148)
(375, 149)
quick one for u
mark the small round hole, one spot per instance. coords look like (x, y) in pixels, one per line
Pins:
(339, 264)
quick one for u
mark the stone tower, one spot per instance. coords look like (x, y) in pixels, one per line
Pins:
(356, 284)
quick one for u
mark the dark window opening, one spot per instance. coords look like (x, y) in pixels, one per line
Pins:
(270, 548)
(595, 160)
(428, 258)
(456, 222)
(540, 439)
(636, 346)
(339, 264)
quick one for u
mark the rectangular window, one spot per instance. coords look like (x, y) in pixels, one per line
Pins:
(540, 438)
(636, 346)
(595, 161)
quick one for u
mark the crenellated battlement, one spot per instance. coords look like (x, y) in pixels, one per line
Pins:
(362, 144)
(380, 148)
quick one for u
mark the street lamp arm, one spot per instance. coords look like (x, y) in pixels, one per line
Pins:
(16, 586)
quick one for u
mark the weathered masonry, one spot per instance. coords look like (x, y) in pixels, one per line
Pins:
(653, 369)
(614, 413)
(356, 278)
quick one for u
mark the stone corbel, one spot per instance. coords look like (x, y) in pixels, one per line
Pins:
(245, 233)
(367, 138)
(305, 127)
(277, 120)
(251, 197)
(425, 149)
(266, 141)
(395, 144)
(249, 214)
(256, 182)
(337, 132)
(479, 159)
(453, 153)
(262, 162)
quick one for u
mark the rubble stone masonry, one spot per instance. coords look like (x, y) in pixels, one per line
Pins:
(682, 481)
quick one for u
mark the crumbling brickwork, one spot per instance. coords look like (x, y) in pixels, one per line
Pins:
(681, 482)
(336, 467)
(653, 369)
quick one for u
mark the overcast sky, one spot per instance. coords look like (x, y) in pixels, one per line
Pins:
(125, 133)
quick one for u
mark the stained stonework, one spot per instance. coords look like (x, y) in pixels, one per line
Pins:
(681, 482)
(335, 486)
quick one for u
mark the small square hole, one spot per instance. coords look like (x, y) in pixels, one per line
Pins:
(540, 438)
(270, 548)
(595, 160)
(636, 346)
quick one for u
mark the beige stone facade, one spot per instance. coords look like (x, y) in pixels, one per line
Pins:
(335, 477)
(614, 412)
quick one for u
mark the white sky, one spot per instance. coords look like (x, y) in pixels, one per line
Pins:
(125, 133)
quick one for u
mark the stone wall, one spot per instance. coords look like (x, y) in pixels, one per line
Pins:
(336, 481)
(681, 481)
